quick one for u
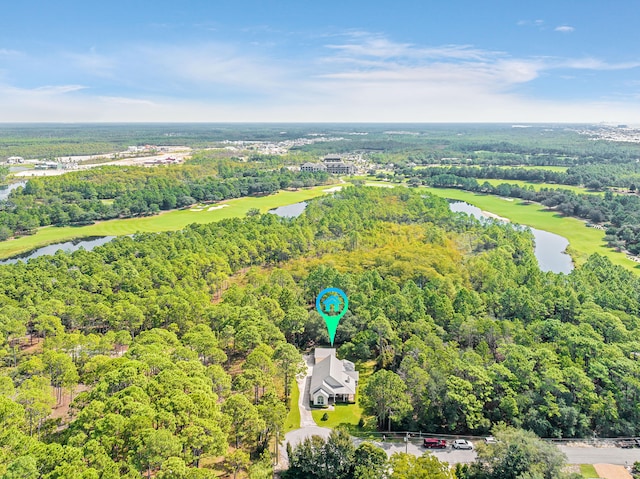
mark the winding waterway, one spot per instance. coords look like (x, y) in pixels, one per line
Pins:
(67, 247)
(549, 247)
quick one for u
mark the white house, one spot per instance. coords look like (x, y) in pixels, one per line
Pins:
(333, 380)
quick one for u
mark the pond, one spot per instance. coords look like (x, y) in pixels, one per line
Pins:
(549, 247)
(290, 211)
(67, 247)
(5, 190)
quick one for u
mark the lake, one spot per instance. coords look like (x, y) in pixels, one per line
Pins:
(290, 211)
(549, 247)
(67, 247)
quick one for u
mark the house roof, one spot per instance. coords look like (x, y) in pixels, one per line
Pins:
(333, 375)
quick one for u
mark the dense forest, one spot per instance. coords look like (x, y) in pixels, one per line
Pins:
(178, 348)
(83, 197)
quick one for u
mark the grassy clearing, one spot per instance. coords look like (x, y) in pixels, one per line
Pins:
(166, 221)
(588, 471)
(583, 241)
(293, 418)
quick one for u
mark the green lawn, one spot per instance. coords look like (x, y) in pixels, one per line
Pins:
(349, 415)
(166, 221)
(588, 471)
(293, 418)
(343, 414)
(583, 241)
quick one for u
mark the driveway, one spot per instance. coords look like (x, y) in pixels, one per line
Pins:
(308, 426)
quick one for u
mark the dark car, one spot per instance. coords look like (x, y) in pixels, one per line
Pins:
(432, 443)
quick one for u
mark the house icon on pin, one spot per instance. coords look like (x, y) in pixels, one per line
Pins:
(332, 303)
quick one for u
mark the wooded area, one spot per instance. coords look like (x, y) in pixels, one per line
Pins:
(174, 346)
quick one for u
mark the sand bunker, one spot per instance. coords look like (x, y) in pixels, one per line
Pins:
(217, 207)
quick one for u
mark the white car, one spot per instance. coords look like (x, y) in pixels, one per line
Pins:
(462, 444)
(490, 440)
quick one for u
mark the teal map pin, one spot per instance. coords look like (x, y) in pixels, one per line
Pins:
(332, 304)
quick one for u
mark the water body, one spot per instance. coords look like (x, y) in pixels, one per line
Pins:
(290, 211)
(5, 190)
(549, 247)
(68, 247)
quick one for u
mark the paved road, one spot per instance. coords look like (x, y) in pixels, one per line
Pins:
(450, 455)
(601, 455)
(575, 455)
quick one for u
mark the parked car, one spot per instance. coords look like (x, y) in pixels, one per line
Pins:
(490, 440)
(462, 444)
(432, 443)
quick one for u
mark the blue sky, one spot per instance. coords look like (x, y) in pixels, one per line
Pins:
(401, 61)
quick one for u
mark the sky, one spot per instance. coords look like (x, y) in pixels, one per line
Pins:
(321, 61)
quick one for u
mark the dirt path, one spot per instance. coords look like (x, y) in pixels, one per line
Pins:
(609, 471)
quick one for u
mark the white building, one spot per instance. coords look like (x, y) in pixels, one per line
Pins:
(333, 380)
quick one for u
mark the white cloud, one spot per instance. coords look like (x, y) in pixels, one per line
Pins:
(358, 77)
(92, 63)
(531, 23)
(7, 52)
(378, 46)
(57, 89)
(597, 64)
(564, 29)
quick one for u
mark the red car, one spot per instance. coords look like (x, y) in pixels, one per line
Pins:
(432, 443)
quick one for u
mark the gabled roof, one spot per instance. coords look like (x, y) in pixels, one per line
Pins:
(333, 375)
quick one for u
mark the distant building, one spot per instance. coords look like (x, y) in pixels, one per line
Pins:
(313, 167)
(336, 166)
(333, 380)
(15, 159)
(48, 165)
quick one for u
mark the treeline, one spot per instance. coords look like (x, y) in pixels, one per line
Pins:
(494, 172)
(79, 198)
(592, 176)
